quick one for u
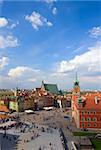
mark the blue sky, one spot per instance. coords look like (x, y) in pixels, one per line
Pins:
(50, 40)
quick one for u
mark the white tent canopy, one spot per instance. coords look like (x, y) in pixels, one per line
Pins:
(29, 111)
(48, 108)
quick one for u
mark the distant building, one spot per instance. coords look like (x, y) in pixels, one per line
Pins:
(49, 88)
(86, 109)
(3, 113)
(6, 94)
(16, 103)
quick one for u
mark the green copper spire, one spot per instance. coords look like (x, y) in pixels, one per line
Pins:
(76, 82)
(76, 75)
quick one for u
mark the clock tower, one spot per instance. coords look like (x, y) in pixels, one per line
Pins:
(76, 87)
(75, 95)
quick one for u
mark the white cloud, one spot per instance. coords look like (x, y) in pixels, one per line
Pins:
(3, 22)
(13, 25)
(3, 62)
(49, 1)
(25, 76)
(87, 62)
(31, 79)
(95, 32)
(89, 71)
(8, 41)
(37, 20)
(54, 11)
(22, 71)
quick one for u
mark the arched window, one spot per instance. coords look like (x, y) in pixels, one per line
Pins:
(83, 124)
(89, 125)
(94, 119)
(88, 112)
(94, 124)
(94, 112)
(83, 112)
(89, 119)
(83, 118)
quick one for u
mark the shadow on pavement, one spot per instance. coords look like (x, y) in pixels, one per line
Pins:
(8, 141)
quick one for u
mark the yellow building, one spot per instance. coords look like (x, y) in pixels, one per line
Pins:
(6, 93)
(16, 103)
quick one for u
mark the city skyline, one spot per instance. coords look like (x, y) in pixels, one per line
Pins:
(50, 40)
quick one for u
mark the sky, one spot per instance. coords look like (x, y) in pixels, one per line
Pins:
(50, 40)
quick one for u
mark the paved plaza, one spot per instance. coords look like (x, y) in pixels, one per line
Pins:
(38, 131)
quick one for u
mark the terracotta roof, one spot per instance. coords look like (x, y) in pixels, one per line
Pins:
(90, 102)
(3, 108)
(3, 116)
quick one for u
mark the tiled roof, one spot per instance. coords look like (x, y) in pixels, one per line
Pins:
(3, 108)
(3, 116)
(90, 102)
(51, 88)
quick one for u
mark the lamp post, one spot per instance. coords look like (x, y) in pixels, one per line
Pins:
(0, 141)
(18, 109)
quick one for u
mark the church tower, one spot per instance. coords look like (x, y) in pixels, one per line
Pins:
(76, 87)
(16, 91)
(75, 95)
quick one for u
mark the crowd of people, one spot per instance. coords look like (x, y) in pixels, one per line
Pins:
(30, 127)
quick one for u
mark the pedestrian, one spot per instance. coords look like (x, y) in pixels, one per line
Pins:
(40, 148)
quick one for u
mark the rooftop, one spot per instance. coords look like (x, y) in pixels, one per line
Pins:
(51, 88)
(3, 108)
(92, 101)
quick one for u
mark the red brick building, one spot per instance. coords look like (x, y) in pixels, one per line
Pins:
(86, 109)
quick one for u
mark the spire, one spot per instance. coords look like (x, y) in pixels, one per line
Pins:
(42, 83)
(76, 76)
(76, 87)
(76, 82)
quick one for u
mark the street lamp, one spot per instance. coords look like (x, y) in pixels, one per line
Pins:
(1, 141)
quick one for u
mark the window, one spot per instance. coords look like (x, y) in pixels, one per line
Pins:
(94, 119)
(88, 112)
(89, 119)
(83, 119)
(94, 124)
(83, 112)
(94, 112)
(89, 125)
(83, 124)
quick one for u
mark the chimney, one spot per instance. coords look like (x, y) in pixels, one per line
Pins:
(96, 100)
